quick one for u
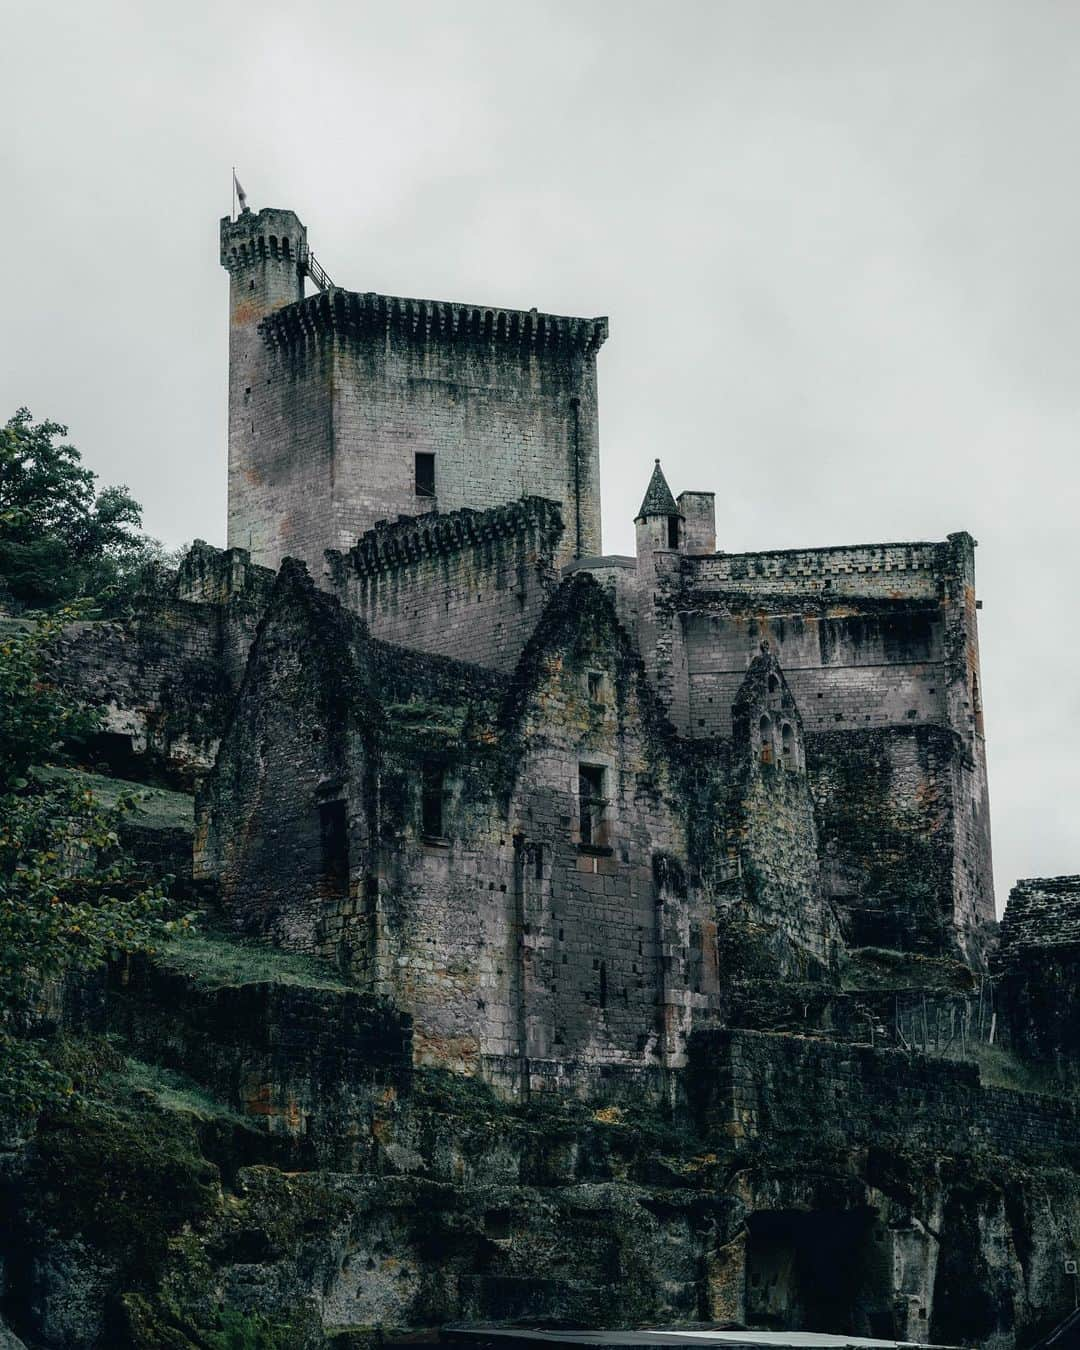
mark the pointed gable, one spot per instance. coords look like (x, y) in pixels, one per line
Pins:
(658, 500)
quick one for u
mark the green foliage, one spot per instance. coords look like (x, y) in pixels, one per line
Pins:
(220, 959)
(176, 1092)
(123, 1177)
(35, 715)
(1000, 1068)
(69, 895)
(249, 1331)
(152, 807)
(60, 538)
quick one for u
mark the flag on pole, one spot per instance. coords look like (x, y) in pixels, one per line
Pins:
(241, 194)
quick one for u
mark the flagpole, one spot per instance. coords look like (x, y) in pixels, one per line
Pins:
(234, 192)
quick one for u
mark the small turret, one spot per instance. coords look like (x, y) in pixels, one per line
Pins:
(659, 521)
(264, 256)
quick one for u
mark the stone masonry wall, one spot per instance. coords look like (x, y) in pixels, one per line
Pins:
(869, 637)
(886, 807)
(752, 1084)
(164, 677)
(524, 950)
(466, 584)
(346, 389)
(846, 671)
(1038, 966)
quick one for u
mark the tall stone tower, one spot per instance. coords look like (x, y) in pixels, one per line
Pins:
(263, 255)
(348, 408)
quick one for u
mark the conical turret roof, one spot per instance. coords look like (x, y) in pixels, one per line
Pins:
(658, 499)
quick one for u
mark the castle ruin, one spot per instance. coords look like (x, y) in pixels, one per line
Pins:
(656, 977)
(523, 786)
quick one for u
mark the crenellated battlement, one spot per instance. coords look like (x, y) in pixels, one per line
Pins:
(352, 314)
(272, 235)
(390, 545)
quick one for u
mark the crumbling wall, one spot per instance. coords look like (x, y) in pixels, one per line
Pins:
(846, 671)
(1038, 970)
(886, 806)
(164, 676)
(871, 638)
(771, 829)
(274, 818)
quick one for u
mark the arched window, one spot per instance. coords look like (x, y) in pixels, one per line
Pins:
(273, 245)
(787, 738)
(765, 729)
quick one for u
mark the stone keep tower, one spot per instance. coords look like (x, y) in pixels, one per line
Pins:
(349, 408)
(263, 255)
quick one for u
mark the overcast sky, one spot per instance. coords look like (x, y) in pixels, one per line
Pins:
(837, 243)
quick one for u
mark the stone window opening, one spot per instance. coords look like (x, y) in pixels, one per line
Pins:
(774, 692)
(597, 686)
(432, 800)
(424, 466)
(673, 531)
(766, 732)
(603, 984)
(333, 849)
(787, 744)
(592, 804)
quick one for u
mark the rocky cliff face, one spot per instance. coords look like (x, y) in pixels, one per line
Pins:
(254, 1155)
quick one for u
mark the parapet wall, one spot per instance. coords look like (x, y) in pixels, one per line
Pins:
(888, 571)
(468, 584)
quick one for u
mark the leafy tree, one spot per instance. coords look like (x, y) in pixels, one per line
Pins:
(69, 896)
(59, 536)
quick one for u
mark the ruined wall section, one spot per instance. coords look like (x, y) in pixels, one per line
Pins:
(886, 804)
(1038, 969)
(437, 916)
(859, 631)
(847, 671)
(771, 830)
(872, 639)
(164, 677)
(350, 388)
(291, 783)
(466, 584)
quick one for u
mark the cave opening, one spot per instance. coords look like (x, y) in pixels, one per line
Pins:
(818, 1270)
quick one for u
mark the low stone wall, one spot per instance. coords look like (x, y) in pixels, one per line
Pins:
(307, 1062)
(745, 1085)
